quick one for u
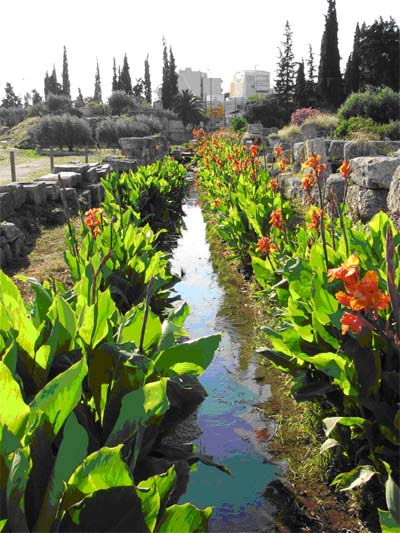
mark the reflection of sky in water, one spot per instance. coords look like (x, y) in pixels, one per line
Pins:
(228, 416)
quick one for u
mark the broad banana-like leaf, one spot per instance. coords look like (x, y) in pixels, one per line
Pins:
(14, 411)
(186, 518)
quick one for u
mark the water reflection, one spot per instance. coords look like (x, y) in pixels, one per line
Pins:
(229, 418)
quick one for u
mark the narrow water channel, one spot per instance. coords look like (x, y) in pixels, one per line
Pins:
(230, 419)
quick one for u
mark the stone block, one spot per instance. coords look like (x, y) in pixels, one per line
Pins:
(70, 179)
(18, 192)
(299, 152)
(36, 193)
(337, 183)
(5, 255)
(365, 203)
(7, 204)
(393, 198)
(369, 148)
(317, 147)
(97, 194)
(335, 150)
(90, 176)
(309, 131)
(374, 172)
(79, 168)
(48, 178)
(10, 232)
(103, 170)
(85, 200)
(53, 192)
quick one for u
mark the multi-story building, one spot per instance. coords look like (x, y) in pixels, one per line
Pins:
(205, 88)
(250, 83)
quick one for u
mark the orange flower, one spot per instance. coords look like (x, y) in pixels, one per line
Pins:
(313, 162)
(92, 220)
(366, 294)
(278, 151)
(266, 246)
(345, 169)
(308, 182)
(354, 323)
(217, 202)
(276, 219)
(283, 164)
(315, 218)
(254, 150)
(273, 185)
(347, 272)
(218, 183)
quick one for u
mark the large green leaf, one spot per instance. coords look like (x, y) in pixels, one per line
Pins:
(331, 422)
(116, 509)
(154, 493)
(172, 327)
(392, 493)
(191, 357)
(131, 331)
(16, 485)
(72, 451)
(355, 478)
(139, 407)
(388, 523)
(59, 397)
(185, 518)
(100, 470)
(14, 411)
(94, 321)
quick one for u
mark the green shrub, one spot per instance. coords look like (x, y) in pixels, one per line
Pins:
(120, 102)
(347, 128)
(288, 132)
(381, 105)
(151, 121)
(11, 116)
(58, 104)
(324, 121)
(391, 130)
(110, 129)
(239, 124)
(62, 130)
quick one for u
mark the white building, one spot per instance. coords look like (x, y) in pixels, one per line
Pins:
(205, 88)
(250, 83)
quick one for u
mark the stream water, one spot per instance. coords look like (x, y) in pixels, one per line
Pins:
(231, 420)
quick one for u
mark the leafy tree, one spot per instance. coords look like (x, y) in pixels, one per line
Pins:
(63, 130)
(36, 98)
(147, 82)
(166, 79)
(300, 92)
(97, 85)
(114, 85)
(378, 52)
(10, 99)
(125, 82)
(268, 111)
(189, 108)
(285, 77)
(329, 76)
(121, 102)
(138, 88)
(58, 104)
(66, 86)
(311, 90)
(51, 85)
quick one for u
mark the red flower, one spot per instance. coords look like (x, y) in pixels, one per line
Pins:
(354, 323)
(276, 219)
(273, 185)
(266, 246)
(217, 202)
(345, 169)
(283, 163)
(315, 218)
(92, 220)
(347, 272)
(278, 151)
(308, 182)
(254, 150)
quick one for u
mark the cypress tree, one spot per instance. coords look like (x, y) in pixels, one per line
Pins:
(329, 76)
(125, 78)
(36, 98)
(351, 79)
(165, 89)
(300, 92)
(114, 85)
(147, 82)
(173, 76)
(97, 84)
(285, 78)
(66, 85)
(10, 99)
(51, 85)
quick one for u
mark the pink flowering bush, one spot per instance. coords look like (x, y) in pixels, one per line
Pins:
(300, 115)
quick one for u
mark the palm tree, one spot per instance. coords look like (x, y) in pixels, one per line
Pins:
(189, 108)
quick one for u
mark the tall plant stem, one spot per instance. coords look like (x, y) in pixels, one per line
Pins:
(146, 313)
(322, 221)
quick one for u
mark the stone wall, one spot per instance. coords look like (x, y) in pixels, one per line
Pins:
(75, 187)
(374, 184)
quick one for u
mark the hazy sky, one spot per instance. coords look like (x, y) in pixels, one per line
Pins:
(215, 36)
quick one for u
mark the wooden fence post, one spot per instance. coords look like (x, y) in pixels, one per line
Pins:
(51, 160)
(12, 163)
(86, 155)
